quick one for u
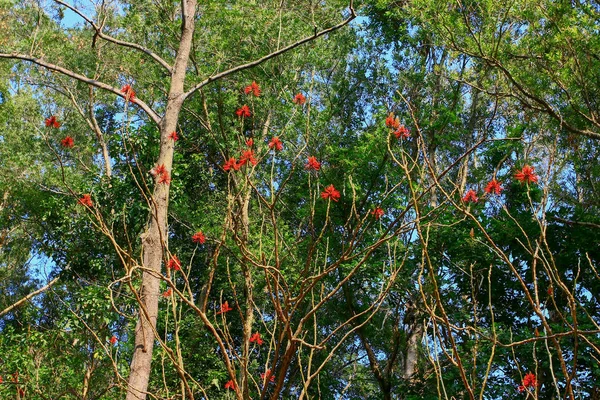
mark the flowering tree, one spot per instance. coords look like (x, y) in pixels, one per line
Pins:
(404, 210)
(172, 59)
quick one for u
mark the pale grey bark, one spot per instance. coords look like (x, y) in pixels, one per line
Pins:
(154, 239)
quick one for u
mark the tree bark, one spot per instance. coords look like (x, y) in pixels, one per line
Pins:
(154, 239)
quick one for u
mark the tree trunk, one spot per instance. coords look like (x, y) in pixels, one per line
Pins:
(154, 239)
(411, 359)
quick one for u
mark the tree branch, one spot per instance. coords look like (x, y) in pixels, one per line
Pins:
(81, 78)
(116, 41)
(29, 296)
(271, 55)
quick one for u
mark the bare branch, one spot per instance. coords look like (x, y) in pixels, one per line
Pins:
(29, 296)
(271, 55)
(82, 78)
(116, 41)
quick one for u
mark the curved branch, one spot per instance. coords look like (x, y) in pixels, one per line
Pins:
(272, 55)
(543, 103)
(116, 41)
(81, 78)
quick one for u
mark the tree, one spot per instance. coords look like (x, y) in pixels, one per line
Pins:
(107, 19)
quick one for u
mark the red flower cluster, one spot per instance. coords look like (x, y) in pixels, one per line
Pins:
(230, 385)
(86, 200)
(250, 142)
(199, 237)
(129, 93)
(253, 88)
(231, 164)
(527, 175)
(113, 340)
(267, 375)
(377, 212)
(471, 196)
(161, 172)
(276, 143)
(493, 186)
(167, 293)
(313, 164)
(248, 156)
(174, 263)
(528, 382)
(243, 111)
(67, 142)
(225, 308)
(392, 122)
(164, 178)
(402, 132)
(330, 192)
(173, 135)
(299, 99)
(52, 122)
(256, 338)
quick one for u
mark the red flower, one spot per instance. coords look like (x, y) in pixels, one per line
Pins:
(402, 132)
(129, 93)
(529, 380)
(527, 175)
(392, 122)
(377, 212)
(21, 392)
(1, 381)
(230, 385)
(174, 136)
(86, 200)
(248, 156)
(267, 374)
(243, 111)
(52, 122)
(250, 142)
(493, 186)
(113, 340)
(256, 338)
(330, 192)
(164, 177)
(313, 163)
(471, 196)
(253, 88)
(67, 142)
(299, 99)
(174, 263)
(550, 290)
(225, 308)
(158, 170)
(276, 143)
(199, 237)
(161, 172)
(521, 389)
(231, 163)
(167, 293)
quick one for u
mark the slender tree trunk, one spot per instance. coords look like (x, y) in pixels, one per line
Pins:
(154, 239)
(411, 359)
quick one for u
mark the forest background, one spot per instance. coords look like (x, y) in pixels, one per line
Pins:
(333, 199)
